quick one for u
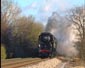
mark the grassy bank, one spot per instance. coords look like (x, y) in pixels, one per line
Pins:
(3, 52)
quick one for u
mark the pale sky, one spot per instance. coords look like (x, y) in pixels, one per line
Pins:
(42, 9)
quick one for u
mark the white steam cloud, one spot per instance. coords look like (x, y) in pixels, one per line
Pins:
(64, 33)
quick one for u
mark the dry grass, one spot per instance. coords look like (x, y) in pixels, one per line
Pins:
(77, 63)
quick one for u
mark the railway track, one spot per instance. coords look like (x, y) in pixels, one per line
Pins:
(17, 63)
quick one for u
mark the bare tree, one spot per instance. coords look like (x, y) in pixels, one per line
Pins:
(77, 17)
(9, 11)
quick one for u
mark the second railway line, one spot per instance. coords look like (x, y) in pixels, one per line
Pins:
(20, 62)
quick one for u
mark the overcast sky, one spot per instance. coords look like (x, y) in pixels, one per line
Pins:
(42, 9)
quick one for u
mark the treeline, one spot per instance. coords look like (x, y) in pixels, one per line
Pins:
(19, 34)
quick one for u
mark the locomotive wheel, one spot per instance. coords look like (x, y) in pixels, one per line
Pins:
(51, 55)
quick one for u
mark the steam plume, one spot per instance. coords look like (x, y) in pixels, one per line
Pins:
(64, 33)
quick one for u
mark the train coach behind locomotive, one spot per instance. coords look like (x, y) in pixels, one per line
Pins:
(47, 45)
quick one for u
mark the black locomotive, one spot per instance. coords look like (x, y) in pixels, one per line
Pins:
(47, 45)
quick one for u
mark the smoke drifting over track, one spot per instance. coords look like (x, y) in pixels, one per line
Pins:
(64, 33)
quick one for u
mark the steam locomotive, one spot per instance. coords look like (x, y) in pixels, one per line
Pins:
(47, 45)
